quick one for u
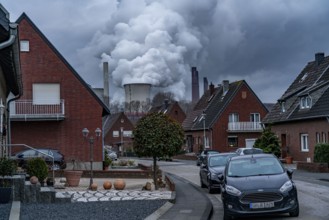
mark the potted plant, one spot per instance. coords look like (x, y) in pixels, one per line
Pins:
(7, 168)
(38, 167)
(73, 176)
(107, 161)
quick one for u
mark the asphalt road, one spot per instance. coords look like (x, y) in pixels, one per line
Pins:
(313, 193)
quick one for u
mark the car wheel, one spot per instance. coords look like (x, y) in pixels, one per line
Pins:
(202, 184)
(210, 189)
(295, 212)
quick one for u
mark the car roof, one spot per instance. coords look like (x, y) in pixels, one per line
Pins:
(253, 155)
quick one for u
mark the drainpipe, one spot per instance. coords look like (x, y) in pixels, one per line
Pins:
(9, 42)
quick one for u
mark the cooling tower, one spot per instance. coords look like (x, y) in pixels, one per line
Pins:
(137, 92)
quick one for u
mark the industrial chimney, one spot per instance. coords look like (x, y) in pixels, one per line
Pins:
(106, 84)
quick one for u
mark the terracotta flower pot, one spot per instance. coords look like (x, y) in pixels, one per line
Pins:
(107, 185)
(73, 177)
(289, 160)
(119, 184)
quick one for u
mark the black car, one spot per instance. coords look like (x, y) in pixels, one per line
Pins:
(257, 184)
(203, 154)
(59, 162)
(213, 166)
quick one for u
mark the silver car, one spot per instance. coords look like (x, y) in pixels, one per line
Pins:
(112, 154)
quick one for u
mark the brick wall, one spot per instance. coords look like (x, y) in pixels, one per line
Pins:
(42, 65)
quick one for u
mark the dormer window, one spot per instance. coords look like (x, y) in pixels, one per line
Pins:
(304, 77)
(283, 107)
(305, 102)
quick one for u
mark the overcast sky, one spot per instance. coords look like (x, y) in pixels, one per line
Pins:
(265, 42)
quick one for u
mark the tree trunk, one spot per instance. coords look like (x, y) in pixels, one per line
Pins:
(155, 173)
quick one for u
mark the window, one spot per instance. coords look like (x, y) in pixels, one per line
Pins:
(232, 141)
(233, 117)
(283, 107)
(324, 138)
(305, 102)
(46, 94)
(255, 117)
(304, 142)
(115, 133)
(127, 133)
(318, 137)
(25, 45)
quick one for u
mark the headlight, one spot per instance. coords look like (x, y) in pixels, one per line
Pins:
(286, 186)
(233, 191)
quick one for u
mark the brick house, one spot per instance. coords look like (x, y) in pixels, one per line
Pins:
(300, 118)
(225, 118)
(172, 109)
(10, 74)
(57, 103)
(118, 130)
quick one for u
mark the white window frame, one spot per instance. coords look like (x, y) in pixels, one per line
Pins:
(233, 117)
(318, 138)
(304, 146)
(46, 93)
(24, 45)
(305, 102)
(115, 133)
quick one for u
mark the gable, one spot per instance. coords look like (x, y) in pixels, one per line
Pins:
(312, 83)
(49, 65)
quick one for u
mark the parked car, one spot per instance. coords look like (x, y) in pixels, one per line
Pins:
(112, 154)
(257, 184)
(59, 161)
(213, 166)
(203, 155)
(246, 151)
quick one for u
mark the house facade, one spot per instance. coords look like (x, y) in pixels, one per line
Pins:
(172, 109)
(300, 118)
(10, 75)
(225, 118)
(56, 103)
(118, 133)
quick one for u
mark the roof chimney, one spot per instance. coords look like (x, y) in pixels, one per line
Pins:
(226, 85)
(106, 84)
(319, 57)
(211, 88)
(205, 84)
(166, 103)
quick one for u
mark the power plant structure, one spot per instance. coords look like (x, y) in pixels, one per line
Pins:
(195, 85)
(137, 93)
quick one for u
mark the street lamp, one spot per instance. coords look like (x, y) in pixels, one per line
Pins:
(204, 128)
(91, 140)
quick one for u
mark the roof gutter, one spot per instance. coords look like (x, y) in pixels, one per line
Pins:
(8, 42)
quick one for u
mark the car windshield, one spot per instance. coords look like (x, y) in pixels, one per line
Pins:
(219, 160)
(254, 167)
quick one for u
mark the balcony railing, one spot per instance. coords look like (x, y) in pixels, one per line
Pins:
(26, 110)
(245, 126)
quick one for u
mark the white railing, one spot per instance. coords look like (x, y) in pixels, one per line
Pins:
(244, 126)
(28, 109)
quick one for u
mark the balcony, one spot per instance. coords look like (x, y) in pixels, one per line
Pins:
(246, 126)
(26, 110)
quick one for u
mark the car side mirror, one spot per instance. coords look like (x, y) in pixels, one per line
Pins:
(290, 172)
(221, 178)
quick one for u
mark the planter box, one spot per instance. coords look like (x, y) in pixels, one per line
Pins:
(5, 194)
(313, 167)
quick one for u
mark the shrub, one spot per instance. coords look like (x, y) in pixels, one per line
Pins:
(7, 168)
(37, 167)
(321, 153)
(107, 160)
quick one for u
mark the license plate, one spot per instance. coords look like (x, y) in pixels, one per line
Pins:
(261, 205)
